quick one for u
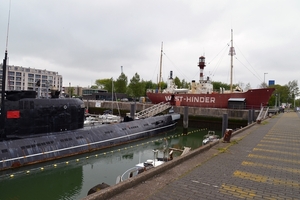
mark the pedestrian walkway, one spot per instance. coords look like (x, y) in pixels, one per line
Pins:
(261, 162)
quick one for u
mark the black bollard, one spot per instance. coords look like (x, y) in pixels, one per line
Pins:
(185, 120)
(224, 123)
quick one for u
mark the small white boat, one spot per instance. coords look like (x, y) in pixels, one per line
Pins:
(210, 137)
(141, 167)
(109, 119)
(102, 119)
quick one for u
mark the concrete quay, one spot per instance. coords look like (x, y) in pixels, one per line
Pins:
(261, 162)
(193, 111)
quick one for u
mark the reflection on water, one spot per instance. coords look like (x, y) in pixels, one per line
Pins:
(72, 178)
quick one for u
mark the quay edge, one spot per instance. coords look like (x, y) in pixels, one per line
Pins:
(193, 111)
(129, 183)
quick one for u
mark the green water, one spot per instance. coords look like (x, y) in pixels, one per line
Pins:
(72, 178)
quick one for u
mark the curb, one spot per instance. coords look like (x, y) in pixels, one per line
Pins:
(129, 183)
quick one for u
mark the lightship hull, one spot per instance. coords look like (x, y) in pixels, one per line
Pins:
(254, 98)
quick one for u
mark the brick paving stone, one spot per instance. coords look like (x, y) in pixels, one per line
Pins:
(261, 162)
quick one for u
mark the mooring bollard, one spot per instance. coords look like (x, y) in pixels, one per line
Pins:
(227, 135)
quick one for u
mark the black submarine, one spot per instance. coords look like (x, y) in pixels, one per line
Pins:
(35, 130)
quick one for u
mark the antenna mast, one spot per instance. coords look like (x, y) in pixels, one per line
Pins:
(160, 68)
(2, 131)
(231, 53)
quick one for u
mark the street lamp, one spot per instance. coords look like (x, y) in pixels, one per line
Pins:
(265, 76)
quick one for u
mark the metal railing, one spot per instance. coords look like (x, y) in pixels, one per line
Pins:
(153, 110)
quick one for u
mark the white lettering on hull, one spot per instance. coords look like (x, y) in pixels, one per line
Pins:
(193, 99)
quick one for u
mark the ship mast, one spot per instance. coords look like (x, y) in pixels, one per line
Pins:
(231, 53)
(2, 112)
(160, 68)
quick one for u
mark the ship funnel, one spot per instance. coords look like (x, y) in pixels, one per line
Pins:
(171, 74)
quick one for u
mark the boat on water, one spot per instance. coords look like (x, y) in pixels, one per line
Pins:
(35, 130)
(210, 137)
(102, 119)
(147, 165)
(151, 163)
(39, 130)
(202, 93)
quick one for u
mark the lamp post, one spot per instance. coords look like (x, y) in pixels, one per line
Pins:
(265, 77)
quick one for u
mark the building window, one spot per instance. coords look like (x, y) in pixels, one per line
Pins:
(11, 73)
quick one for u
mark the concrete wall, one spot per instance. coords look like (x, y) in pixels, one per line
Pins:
(193, 111)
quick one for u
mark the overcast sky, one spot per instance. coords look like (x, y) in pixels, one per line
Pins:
(91, 39)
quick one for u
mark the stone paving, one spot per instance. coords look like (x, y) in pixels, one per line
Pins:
(261, 162)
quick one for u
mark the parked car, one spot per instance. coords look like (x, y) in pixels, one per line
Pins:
(124, 99)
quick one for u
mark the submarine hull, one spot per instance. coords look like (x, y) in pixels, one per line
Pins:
(51, 146)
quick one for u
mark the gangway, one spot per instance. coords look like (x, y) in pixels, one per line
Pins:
(153, 110)
(262, 114)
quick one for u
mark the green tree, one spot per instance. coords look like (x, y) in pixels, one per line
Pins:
(279, 96)
(120, 85)
(293, 90)
(177, 82)
(71, 92)
(185, 84)
(218, 85)
(136, 88)
(164, 85)
(150, 85)
(94, 87)
(263, 85)
(105, 84)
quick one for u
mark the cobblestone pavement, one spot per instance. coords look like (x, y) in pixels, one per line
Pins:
(262, 162)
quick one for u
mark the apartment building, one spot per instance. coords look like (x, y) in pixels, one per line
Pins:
(26, 78)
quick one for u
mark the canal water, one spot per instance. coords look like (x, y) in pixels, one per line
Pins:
(73, 177)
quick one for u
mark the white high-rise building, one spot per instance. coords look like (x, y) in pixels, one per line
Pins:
(26, 78)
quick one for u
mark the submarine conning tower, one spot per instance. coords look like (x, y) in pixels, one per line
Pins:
(201, 65)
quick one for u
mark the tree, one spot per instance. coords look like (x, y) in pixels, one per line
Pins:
(177, 82)
(185, 84)
(263, 85)
(247, 87)
(150, 85)
(105, 84)
(293, 89)
(71, 92)
(279, 96)
(120, 85)
(218, 85)
(136, 88)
